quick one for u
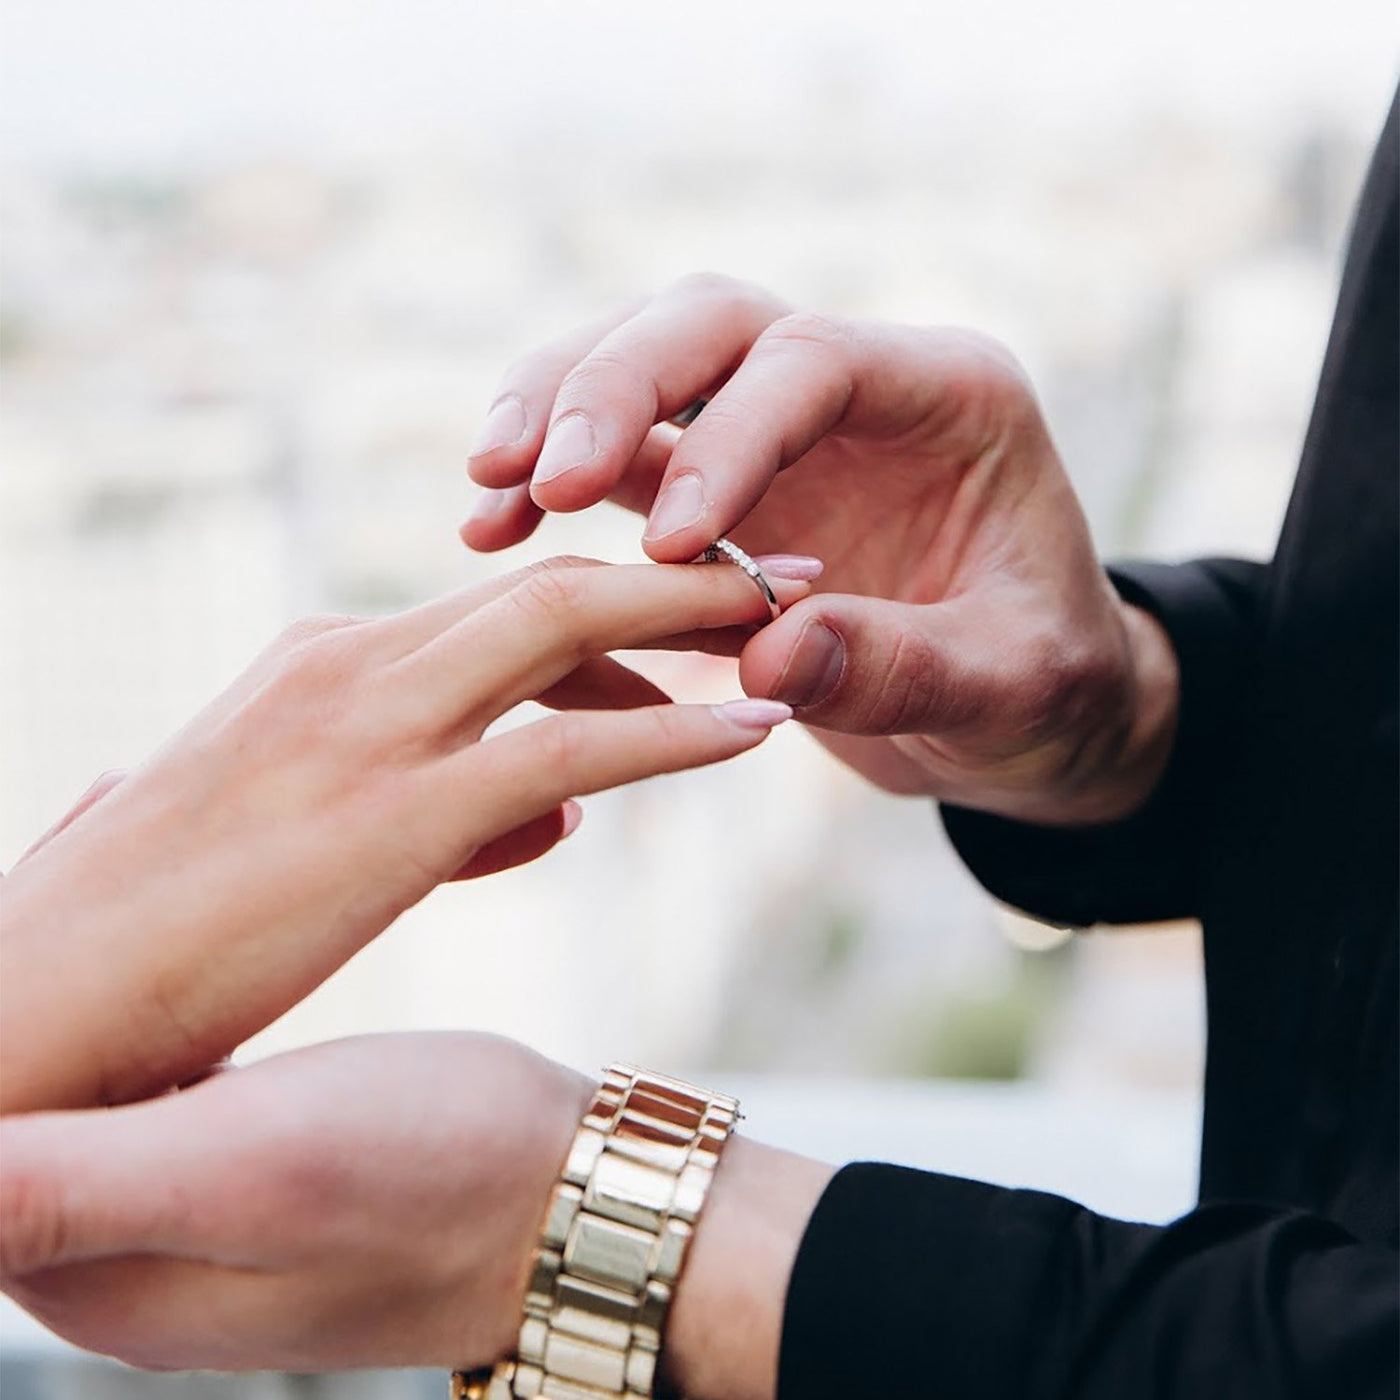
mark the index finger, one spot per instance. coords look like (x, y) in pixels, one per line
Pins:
(809, 376)
(509, 439)
(601, 406)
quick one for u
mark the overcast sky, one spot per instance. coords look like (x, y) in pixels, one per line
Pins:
(125, 82)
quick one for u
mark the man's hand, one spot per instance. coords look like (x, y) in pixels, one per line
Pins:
(966, 643)
(371, 1202)
(341, 778)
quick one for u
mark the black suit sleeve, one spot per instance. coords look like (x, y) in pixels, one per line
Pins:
(913, 1284)
(1146, 867)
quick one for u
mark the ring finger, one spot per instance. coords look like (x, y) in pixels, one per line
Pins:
(540, 630)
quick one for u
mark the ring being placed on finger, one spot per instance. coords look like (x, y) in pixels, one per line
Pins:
(727, 549)
(689, 413)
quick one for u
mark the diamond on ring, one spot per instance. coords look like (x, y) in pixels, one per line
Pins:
(728, 550)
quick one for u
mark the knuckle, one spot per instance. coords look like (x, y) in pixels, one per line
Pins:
(316, 652)
(708, 285)
(825, 348)
(986, 358)
(550, 594)
(606, 372)
(910, 685)
(33, 1225)
(1041, 688)
(562, 742)
(1064, 678)
(1091, 676)
(512, 582)
(721, 289)
(664, 726)
(557, 562)
(730, 424)
(312, 672)
(571, 745)
(978, 344)
(306, 630)
(809, 328)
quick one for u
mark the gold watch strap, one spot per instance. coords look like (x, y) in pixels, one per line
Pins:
(614, 1242)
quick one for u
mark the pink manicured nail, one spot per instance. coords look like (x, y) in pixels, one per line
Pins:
(754, 714)
(570, 444)
(504, 427)
(573, 815)
(800, 568)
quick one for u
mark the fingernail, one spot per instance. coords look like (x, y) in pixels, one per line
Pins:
(680, 505)
(504, 426)
(490, 503)
(813, 666)
(570, 444)
(800, 568)
(573, 815)
(754, 714)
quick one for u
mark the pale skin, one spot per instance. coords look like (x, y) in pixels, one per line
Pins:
(333, 785)
(370, 1202)
(963, 643)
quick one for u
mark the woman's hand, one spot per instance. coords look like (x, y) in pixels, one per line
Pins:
(371, 1202)
(341, 778)
(967, 643)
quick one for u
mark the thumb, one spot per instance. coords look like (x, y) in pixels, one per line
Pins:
(870, 666)
(91, 1184)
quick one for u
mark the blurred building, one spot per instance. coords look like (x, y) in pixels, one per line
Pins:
(245, 393)
(238, 379)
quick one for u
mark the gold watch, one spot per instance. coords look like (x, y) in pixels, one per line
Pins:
(614, 1241)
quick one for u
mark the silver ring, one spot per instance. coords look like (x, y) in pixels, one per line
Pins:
(689, 413)
(727, 549)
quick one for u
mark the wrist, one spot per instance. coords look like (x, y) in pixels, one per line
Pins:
(721, 1332)
(725, 1326)
(88, 1014)
(495, 1270)
(44, 1064)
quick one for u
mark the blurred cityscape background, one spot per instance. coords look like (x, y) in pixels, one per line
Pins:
(262, 265)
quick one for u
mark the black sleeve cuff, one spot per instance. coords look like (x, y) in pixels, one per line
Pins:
(912, 1284)
(873, 1310)
(1145, 867)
